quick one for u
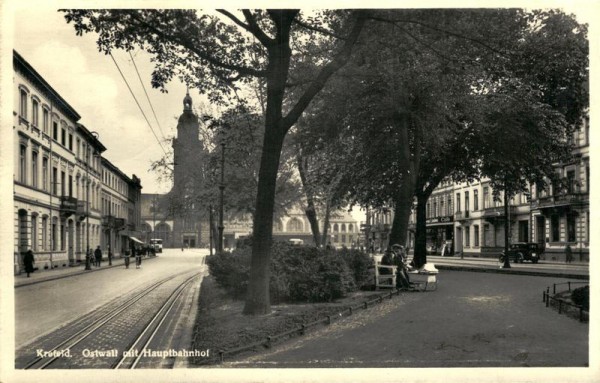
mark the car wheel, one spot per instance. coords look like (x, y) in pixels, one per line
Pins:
(534, 261)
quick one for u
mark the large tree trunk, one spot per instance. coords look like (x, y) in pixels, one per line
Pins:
(403, 200)
(310, 211)
(276, 127)
(420, 257)
(326, 240)
(257, 300)
(402, 207)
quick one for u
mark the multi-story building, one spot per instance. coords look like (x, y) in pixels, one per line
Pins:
(555, 216)
(57, 175)
(466, 216)
(120, 204)
(189, 227)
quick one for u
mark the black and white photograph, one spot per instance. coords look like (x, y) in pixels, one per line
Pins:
(302, 192)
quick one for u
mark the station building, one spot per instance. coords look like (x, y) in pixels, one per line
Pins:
(163, 218)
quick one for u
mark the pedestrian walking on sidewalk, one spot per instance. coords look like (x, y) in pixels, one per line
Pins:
(98, 255)
(138, 258)
(126, 258)
(569, 254)
(110, 256)
(28, 261)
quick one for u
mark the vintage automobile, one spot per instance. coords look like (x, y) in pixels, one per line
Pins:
(523, 251)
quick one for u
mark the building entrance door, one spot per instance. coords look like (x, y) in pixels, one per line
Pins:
(458, 243)
(540, 229)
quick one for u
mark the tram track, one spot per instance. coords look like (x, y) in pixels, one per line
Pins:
(121, 320)
(132, 356)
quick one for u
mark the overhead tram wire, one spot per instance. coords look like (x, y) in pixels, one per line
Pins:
(138, 104)
(147, 97)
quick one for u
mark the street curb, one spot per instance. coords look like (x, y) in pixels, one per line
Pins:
(67, 275)
(512, 272)
(188, 327)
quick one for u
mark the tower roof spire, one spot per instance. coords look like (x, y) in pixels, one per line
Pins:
(187, 101)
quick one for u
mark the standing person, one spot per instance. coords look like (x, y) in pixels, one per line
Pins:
(110, 255)
(28, 261)
(126, 258)
(138, 258)
(569, 253)
(98, 255)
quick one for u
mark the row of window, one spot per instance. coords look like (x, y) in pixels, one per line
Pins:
(114, 182)
(112, 208)
(49, 236)
(523, 231)
(50, 181)
(436, 206)
(63, 137)
(296, 225)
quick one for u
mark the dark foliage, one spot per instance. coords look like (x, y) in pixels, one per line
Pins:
(581, 296)
(298, 273)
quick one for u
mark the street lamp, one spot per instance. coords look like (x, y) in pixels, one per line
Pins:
(87, 215)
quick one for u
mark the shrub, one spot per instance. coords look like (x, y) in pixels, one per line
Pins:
(581, 296)
(359, 263)
(231, 271)
(297, 274)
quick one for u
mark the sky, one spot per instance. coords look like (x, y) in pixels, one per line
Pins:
(90, 82)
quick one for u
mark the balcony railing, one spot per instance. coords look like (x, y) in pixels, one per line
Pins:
(497, 211)
(108, 220)
(461, 215)
(82, 208)
(68, 205)
(563, 199)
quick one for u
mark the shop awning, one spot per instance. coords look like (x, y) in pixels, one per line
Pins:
(134, 239)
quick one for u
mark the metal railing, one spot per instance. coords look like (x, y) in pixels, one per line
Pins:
(563, 306)
(270, 340)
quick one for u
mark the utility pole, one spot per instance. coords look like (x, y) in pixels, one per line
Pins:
(506, 264)
(210, 229)
(221, 189)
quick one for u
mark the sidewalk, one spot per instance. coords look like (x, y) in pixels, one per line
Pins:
(43, 275)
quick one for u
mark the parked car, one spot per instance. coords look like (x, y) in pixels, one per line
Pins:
(523, 251)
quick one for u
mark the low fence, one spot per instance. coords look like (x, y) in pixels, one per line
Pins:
(562, 305)
(270, 340)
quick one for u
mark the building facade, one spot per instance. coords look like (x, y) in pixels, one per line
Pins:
(467, 218)
(189, 227)
(57, 175)
(120, 208)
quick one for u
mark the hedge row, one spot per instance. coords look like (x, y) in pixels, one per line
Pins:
(298, 273)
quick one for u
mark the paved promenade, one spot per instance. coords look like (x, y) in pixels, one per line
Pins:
(471, 320)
